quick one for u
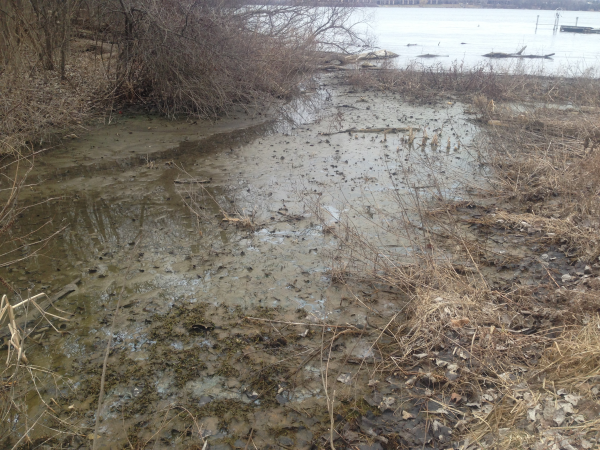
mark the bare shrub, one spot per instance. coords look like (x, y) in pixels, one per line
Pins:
(201, 58)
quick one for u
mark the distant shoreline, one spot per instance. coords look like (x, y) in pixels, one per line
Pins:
(463, 6)
(445, 5)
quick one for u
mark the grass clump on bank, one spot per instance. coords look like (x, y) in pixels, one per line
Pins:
(519, 82)
(497, 318)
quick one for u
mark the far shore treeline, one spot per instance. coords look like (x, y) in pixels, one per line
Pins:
(567, 5)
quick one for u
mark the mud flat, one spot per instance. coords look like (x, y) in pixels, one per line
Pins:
(220, 327)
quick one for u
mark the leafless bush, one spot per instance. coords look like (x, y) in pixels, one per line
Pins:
(198, 58)
(203, 57)
(38, 29)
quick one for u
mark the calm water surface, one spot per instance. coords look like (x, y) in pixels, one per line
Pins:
(467, 34)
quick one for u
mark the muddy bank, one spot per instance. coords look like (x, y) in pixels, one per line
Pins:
(187, 363)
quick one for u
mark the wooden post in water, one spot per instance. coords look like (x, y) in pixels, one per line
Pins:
(556, 20)
(536, 22)
(576, 20)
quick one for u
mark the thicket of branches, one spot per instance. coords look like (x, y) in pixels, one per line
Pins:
(180, 56)
(202, 57)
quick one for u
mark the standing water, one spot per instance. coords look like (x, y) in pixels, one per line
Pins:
(465, 35)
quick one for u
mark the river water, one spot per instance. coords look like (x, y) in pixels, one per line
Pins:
(465, 35)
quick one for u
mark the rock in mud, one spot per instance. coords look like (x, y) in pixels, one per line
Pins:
(285, 441)
(344, 378)
(566, 278)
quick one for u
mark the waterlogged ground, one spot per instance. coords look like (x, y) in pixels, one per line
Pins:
(187, 364)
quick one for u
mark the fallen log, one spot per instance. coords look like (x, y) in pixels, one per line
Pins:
(514, 55)
(191, 181)
(377, 54)
(372, 130)
(431, 55)
(518, 54)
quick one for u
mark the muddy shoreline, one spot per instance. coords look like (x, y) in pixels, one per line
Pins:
(229, 334)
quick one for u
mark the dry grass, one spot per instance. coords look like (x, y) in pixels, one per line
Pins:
(520, 82)
(37, 107)
(522, 354)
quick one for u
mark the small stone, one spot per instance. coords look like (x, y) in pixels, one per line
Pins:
(587, 270)
(285, 441)
(545, 257)
(406, 415)
(344, 378)
(586, 444)
(566, 278)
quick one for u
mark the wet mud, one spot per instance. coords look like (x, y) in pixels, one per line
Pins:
(218, 334)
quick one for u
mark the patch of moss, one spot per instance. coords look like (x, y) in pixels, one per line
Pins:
(226, 410)
(351, 409)
(193, 319)
(227, 371)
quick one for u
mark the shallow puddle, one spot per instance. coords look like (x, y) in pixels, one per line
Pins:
(186, 279)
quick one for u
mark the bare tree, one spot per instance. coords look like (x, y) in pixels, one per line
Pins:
(42, 27)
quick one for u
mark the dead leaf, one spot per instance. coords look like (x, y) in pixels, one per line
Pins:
(455, 397)
(573, 399)
(531, 413)
(459, 323)
(406, 415)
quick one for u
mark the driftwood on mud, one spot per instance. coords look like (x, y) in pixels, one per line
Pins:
(372, 130)
(377, 54)
(431, 55)
(191, 181)
(333, 67)
(518, 54)
(34, 313)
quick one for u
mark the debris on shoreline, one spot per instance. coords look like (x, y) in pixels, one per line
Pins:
(518, 54)
(430, 55)
(376, 54)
